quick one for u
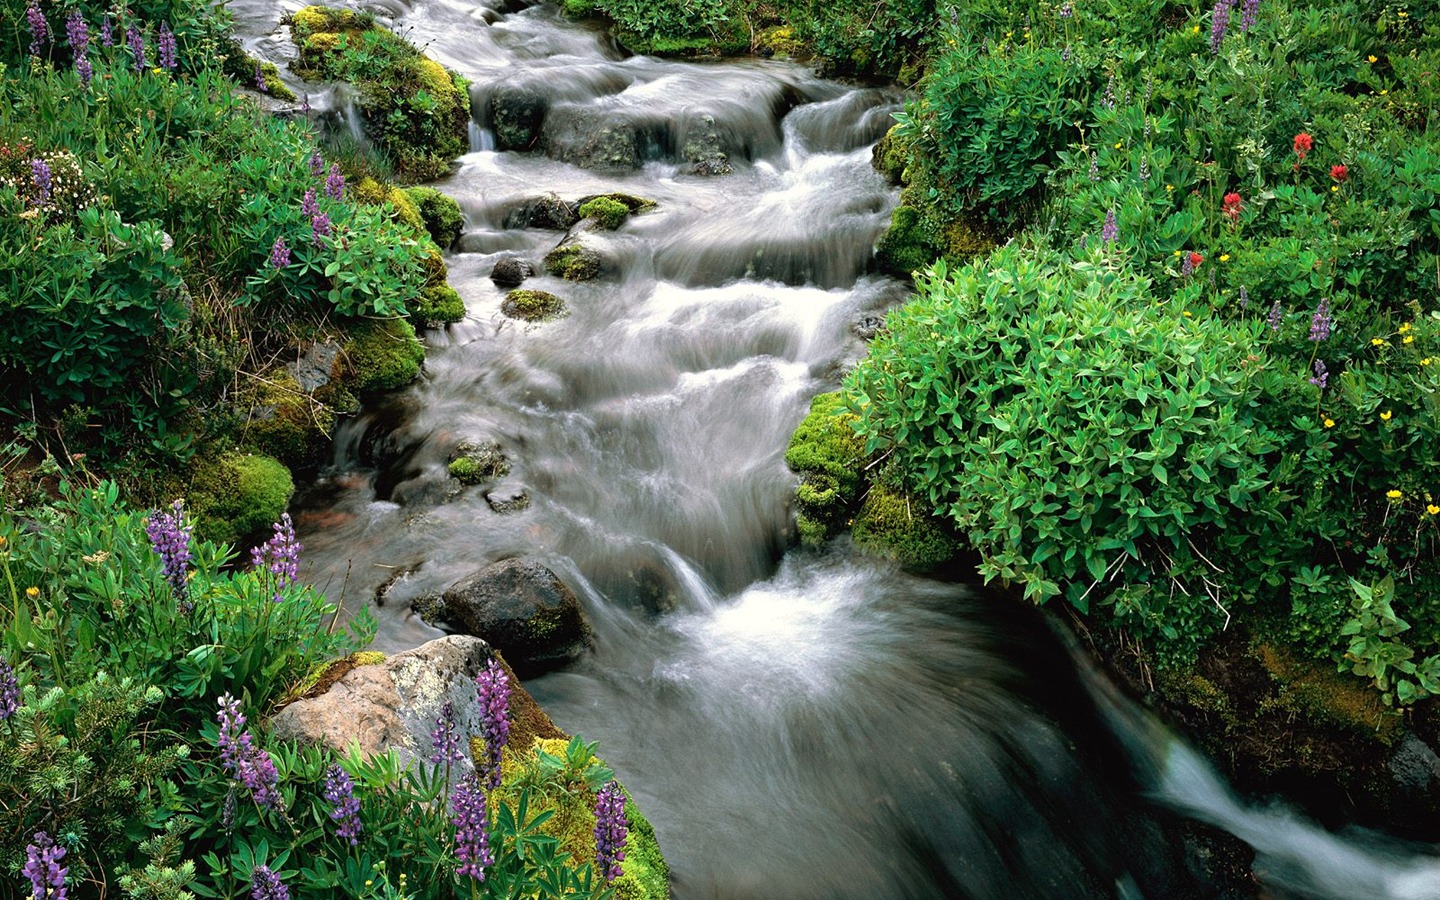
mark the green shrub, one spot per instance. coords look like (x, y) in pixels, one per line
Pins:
(441, 214)
(827, 454)
(239, 495)
(382, 355)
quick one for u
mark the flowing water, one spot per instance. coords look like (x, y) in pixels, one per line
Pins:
(796, 725)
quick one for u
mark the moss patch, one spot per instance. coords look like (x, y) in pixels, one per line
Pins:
(890, 156)
(909, 245)
(369, 190)
(382, 354)
(283, 421)
(574, 262)
(610, 214)
(476, 463)
(894, 525)
(439, 304)
(532, 306)
(828, 455)
(440, 214)
(238, 495)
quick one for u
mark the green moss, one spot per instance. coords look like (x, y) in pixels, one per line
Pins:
(436, 271)
(369, 190)
(579, 9)
(382, 354)
(440, 213)
(890, 156)
(574, 262)
(908, 245)
(439, 304)
(238, 495)
(532, 306)
(1330, 698)
(283, 421)
(473, 463)
(828, 455)
(896, 526)
(611, 214)
(780, 40)
(465, 470)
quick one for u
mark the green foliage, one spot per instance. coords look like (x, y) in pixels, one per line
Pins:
(415, 108)
(238, 495)
(440, 213)
(892, 524)
(532, 306)
(610, 214)
(827, 454)
(383, 354)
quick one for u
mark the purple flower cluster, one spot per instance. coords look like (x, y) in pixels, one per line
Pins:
(77, 33)
(492, 690)
(39, 28)
(1249, 14)
(344, 807)
(280, 556)
(40, 175)
(1244, 298)
(242, 760)
(42, 867)
(1321, 322)
(136, 40)
(260, 84)
(1094, 173)
(309, 208)
(445, 739)
(1067, 10)
(107, 33)
(1111, 231)
(9, 690)
(1187, 266)
(279, 254)
(165, 47)
(610, 830)
(319, 228)
(170, 539)
(1274, 318)
(472, 840)
(335, 183)
(1108, 101)
(317, 165)
(1219, 22)
(266, 885)
(1322, 375)
(84, 69)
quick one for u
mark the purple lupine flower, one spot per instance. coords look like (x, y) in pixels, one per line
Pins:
(260, 84)
(309, 208)
(77, 33)
(1111, 230)
(1320, 322)
(266, 885)
(1249, 14)
(319, 227)
(445, 739)
(492, 690)
(610, 830)
(170, 539)
(1219, 21)
(317, 165)
(40, 176)
(1065, 54)
(1187, 267)
(165, 47)
(1274, 318)
(136, 40)
(279, 254)
(84, 69)
(107, 33)
(1244, 298)
(472, 840)
(42, 867)
(344, 807)
(39, 28)
(1321, 376)
(247, 764)
(280, 555)
(9, 690)
(234, 741)
(1144, 170)
(1067, 10)
(1109, 100)
(335, 183)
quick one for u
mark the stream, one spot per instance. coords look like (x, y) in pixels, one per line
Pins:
(795, 724)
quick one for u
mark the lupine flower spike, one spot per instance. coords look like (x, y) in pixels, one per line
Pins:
(42, 867)
(492, 690)
(266, 885)
(165, 47)
(279, 254)
(170, 539)
(247, 764)
(1219, 22)
(1321, 376)
(77, 33)
(107, 33)
(344, 807)
(1111, 230)
(280, 555)
(1273, 319)
(317, 167)
(260, 84)
(610, 830)
(1320, 322)
(1249, 14)
(335, 183)
(40, 176)
(9, 690)
(445, 739)
(472, 840)
(39, 28)
(136, 40)
(309, 208)
(319, 228)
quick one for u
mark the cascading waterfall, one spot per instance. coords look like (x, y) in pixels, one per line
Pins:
(796, 724)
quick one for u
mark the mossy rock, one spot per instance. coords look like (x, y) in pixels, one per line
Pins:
(382, 355)
(436, 271)
(896, 526)
(890, 156)
(440, 213)
(609, 214)
(1329, 698)
(238, 495)
(909, 245)
(631, 202)
(474, 462)
(574, 262)
(369, 190)
(828, 455)
(644, 874)
(283, 421)
(439, 305)
(780, 40)
(532, 306)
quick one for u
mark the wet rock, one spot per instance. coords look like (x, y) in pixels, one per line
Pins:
(548, 212)
(473, 462)
(508, 500)
(867, 325)
(393, 704)
(589, 141)
(532, 306)
(517, 115)
(313, 369)
(1415, 766)
(704, 147)
(511, 271)
(520, 607)
(575, 262)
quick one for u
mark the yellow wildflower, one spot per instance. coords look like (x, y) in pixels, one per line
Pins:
(1329, 422)
(1169, 187)
(1384, 92)
(1409, 339)
(1224, 257)
(1385, 416)
(1195, 30)
(32, 592)
(1186, 314)
(1377, 342)
(1403, 14)
(1119, 144)
(1334, 188)
(1373, 58)
(1404, 327)
(1425, 361)
(1433, 510)
(1394, 494)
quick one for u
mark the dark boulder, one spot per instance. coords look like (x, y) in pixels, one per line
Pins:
(511, 272)
(517, 115)
(549, 212)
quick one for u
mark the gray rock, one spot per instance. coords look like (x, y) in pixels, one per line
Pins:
(508, 500)
(548, 212)
(704, 147)
(1415, 766)
(313, 369)
(586, 139)
(517, 115)
(393, 705)
(520, 607)
(511, 271)
(867, 325)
